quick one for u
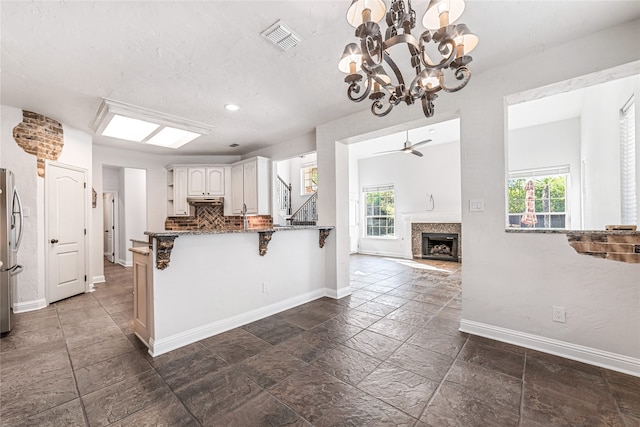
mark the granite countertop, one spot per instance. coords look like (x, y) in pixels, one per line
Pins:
(558, 231)
(176, 233)
(142, 250)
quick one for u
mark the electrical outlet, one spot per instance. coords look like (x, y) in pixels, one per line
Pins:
(559, 314)
(265, 287)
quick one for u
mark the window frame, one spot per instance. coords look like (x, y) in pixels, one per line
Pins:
(303, 178)
(366, 216)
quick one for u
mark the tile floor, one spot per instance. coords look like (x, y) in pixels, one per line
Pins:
(389, 355)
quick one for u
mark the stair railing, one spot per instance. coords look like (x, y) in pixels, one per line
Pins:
(283, 195)
(307, 214)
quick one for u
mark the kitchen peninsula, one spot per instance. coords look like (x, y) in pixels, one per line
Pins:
(192, 284)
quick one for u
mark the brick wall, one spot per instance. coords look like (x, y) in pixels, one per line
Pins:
(617, 246)
(40, 136)
(211, 217)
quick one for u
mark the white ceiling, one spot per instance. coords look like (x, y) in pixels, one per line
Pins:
(190, 58)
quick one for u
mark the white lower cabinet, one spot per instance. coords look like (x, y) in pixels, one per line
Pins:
(142, 296)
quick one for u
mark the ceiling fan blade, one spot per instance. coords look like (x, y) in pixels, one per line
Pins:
(387, 152)
(417, 153)
(421, 143)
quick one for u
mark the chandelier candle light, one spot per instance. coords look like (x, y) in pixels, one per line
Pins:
(365, 64)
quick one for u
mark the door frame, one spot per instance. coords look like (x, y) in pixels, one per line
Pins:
(88, 284)
(116, 225)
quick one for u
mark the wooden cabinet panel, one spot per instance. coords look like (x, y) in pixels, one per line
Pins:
(214, 181)
(237, 188)
(251, 185)
(197, 182)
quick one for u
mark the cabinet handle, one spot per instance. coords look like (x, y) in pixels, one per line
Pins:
(54, 241)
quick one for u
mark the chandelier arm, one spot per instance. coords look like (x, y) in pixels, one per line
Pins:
(442, 48)
(376, 106)
(395, 69)
(354, 88)
(428, 108)
(372, 56)
(461, 73)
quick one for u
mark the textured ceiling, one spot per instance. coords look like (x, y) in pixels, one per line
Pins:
(188, 59)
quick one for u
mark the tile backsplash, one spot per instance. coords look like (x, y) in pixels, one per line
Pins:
(211, 217)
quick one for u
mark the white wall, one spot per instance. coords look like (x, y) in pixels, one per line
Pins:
(135, 204)
(510, 281)
(601, 149)
(549, 145)
(77, 151)
(192, 297)
(415, 179)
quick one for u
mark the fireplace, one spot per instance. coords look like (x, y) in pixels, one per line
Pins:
(442, 246)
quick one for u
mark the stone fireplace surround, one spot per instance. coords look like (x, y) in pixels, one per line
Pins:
(417, 228)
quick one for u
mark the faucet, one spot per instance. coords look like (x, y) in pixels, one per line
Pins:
(244, 216)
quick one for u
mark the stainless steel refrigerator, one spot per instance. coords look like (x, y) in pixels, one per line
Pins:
(11, 221)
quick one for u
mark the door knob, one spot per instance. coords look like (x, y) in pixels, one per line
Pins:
(54, 240)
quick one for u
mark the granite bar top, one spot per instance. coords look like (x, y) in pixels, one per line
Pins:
(176, 233)
(558, 231)
(142, 250)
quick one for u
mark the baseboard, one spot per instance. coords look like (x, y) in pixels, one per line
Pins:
(337, 294)
(387, 254)
(164, 345)
(98, 279)
(592, 356)
(124, 263)
(23, 307)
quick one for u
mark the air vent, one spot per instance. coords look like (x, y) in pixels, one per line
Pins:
(281, 35)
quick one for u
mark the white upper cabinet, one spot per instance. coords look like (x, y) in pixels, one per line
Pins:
(215, 181)
(251, 186)
(205, 182)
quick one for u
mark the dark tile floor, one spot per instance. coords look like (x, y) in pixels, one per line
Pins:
(389, 355)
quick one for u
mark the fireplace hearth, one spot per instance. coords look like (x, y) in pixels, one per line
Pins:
(443, 246)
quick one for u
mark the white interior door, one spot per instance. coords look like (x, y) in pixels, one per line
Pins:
(108, 207)
(66, 205)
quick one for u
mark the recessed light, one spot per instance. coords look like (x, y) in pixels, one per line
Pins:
(232, 107)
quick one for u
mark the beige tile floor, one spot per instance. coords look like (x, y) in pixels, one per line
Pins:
(388, 355)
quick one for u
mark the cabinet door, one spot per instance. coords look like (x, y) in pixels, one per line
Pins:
(237, 188)
(142, 297)
(197, 182)
(215, 181)
(180, 205)
(250, 173)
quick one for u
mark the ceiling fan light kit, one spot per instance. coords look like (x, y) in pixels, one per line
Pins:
(373, 74)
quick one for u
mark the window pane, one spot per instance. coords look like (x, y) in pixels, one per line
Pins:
(531, 199)
(380, 211)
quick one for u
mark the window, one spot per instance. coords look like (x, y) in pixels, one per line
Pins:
(380, 211)
(628, 162)
(309, 179)
(538, 198)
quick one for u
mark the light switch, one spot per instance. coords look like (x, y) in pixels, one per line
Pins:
(476, 205)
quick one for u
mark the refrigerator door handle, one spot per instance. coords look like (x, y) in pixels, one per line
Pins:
(13, 270)
(16, 197)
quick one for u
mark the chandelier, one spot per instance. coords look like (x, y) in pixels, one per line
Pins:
(373, 74)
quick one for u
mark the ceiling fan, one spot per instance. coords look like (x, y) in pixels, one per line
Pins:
(409, 147)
